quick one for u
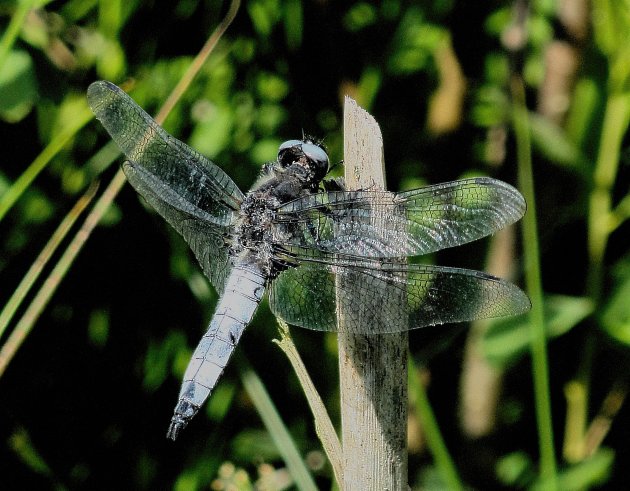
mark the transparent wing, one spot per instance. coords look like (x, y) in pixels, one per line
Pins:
(199, 183)
(205, 238)
(385, 225)
(191, 193)
(397, 296)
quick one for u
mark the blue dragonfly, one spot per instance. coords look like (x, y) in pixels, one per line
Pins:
(295, 234)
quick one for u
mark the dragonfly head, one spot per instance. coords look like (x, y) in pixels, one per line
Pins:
(306, 153)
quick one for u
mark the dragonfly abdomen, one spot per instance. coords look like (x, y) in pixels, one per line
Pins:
(243, 292)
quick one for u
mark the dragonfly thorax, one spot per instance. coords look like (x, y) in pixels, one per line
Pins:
(253, 231)
(300, 167)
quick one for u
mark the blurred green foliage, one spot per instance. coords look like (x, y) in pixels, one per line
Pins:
(88, 396)
(507, 339)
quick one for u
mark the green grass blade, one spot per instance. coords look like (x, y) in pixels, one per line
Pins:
(51, 283)
(44, 256)
(443, 461)
(35, 308)
(8, 199)
(13, 29)
(277, 429)
(24, 449)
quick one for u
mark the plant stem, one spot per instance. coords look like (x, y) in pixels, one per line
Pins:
(323, 425)
(600, 204)
(520, 123)
(443, 460)
(13, 29)
(602, 221)
(276, 427)
(44, 294)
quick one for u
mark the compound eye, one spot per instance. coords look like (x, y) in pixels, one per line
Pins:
(289, 144)
(318, 157)
(315, 153)
(288, 151)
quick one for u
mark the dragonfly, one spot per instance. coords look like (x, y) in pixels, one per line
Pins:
(296, 234)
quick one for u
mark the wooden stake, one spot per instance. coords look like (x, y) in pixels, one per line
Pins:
(372, 369)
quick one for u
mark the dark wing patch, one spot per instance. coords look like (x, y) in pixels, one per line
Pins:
(397, 296)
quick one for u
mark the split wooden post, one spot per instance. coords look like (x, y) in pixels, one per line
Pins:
(372, 369)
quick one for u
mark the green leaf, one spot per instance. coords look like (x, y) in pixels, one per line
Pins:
(212, 134)
(158, 358)
(368, 86)
(615, 318)
(98, 327)
(264, 14)
(414, 43)
(265, 150)
(507, 339)
(498, 21)
(220, 403)
(111, 217)
(21, 444)
(611, 28)
(491, 107)
(36, 208)
(111, 62)
(551, 141)
(546, 7)
(429, 479)
(271, 87)
(243, 49)
(360, 16)
(293, 23)
(497, 68)
(534, 70)
(253, 445)
(611, 25)
(269, 117)
(515, 469)
(583, 114)
(187, 481)
(590, 472)
(17, 86)
(539, 30)
(110, 17)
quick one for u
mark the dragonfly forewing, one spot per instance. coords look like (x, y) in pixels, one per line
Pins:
(193, 177)
(191, 193)
(386, 225)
